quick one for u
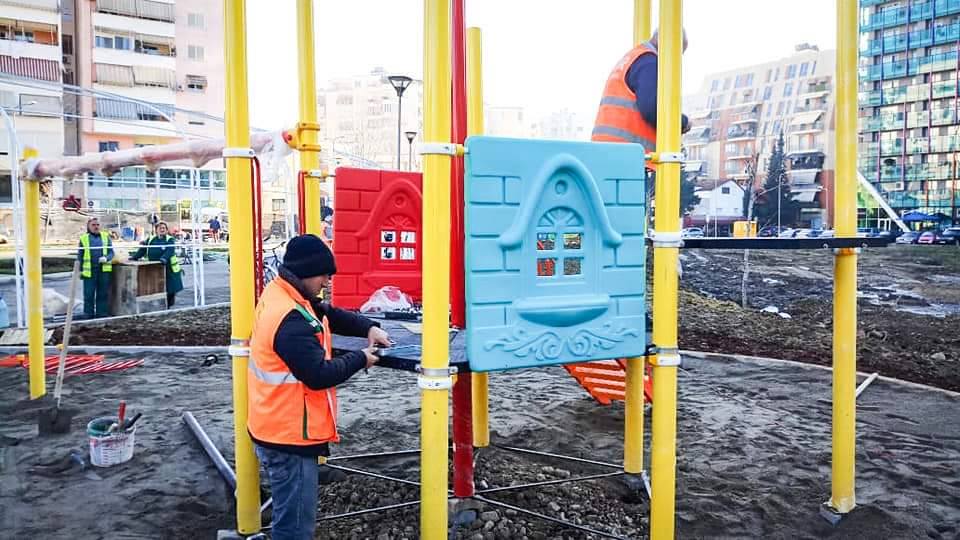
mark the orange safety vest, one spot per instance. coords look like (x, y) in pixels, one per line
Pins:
(618, 119)
(281, 409)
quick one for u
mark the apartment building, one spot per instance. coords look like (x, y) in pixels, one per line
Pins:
(29, 62)
(745, 111)
(505, 121)
(909, 124)
(358, 118)
(560, 125)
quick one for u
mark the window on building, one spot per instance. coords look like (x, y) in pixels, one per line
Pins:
(767, 92)
(780, 108)
(776, 74)
(726, 84)
(195, 52)
(196, 122)
(122, 43)
(787, 109)
(219, 179)
(733, 98)
(195, 20)
(788, 89)
(715, 85)
(6, 188)
(196, 83)
(730, 149)
(803, 69)
(279, 206)
(103, 42)
(204, 179)
(67, 45)
(725, 190)
(813, 68)
(109, 146)
(791, 71)
(168, 179)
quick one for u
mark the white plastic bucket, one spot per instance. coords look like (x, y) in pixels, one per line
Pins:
(108, 449)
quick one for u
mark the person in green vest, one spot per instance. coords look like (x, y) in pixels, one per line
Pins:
(96, 269)
(160, 247)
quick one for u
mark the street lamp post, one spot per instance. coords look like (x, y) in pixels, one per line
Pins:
(400, 84)
(411, 135)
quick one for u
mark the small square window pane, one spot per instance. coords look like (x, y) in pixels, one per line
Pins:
(408, 237)
(408, 254)
(546, 241)
(572, 240)
(546, 267)
(388, 253)
(388, 237)
(572, 266)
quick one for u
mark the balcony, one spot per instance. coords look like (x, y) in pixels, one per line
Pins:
(943, 117)
(142, 9)
(811, 159)
(806, 122)
(892, 147)
(739, 133)
(883, 122)
(749, 117)
(697, 136)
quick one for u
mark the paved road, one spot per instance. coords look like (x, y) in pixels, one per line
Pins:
(216, 280)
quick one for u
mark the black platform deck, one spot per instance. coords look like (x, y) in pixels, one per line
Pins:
(784, 243)
(405, 354)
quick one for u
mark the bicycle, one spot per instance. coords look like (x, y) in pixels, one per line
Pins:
(271, 263)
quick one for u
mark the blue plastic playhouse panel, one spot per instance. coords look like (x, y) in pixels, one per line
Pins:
(554, 252)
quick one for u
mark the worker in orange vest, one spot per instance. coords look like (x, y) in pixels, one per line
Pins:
(628, 109)
(292, 375)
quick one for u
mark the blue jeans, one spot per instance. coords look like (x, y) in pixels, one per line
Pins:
(294, 485)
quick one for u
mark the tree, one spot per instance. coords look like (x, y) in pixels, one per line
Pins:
(688, 193)
(775, 188)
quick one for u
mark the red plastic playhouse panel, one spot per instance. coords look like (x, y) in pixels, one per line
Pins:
(377, 233)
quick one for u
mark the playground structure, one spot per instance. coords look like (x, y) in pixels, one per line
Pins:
(443, 229)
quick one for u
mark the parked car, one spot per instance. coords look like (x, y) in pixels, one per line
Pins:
(909, 237)
(868, 232)
(692, 232)
(949, 236)
(927, 237)
(788, 233)
(772, 231)
(826, 233)
(804, 233)
(891, 234)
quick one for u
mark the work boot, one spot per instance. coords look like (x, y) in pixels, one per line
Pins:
(328, 475)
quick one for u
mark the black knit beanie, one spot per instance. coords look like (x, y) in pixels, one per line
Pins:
(308, 256)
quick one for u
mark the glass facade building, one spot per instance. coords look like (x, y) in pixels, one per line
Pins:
(909, 127)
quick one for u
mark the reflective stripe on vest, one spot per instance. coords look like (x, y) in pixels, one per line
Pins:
(618, 119)
(174, 261)
(281, 409)
(86, 268)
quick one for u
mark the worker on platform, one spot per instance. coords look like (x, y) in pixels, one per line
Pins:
(96, 268)
(628, 109)
(292, 378)
(161, 248)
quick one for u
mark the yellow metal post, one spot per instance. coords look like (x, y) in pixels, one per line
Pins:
(309, 159)
(843, 496)
(479, 381)
(435, 384)
(642, 13)
(240, 208)
(663, 451)
(31, 204)
(633, 417)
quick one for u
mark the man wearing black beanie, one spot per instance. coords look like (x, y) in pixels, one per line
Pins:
(292, 375)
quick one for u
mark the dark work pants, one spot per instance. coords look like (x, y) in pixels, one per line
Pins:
(96, 300)
(171, 298)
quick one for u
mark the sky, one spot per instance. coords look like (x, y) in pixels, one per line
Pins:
(544, 55)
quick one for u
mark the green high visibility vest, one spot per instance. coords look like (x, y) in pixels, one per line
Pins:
(86, 270)
(174, 261)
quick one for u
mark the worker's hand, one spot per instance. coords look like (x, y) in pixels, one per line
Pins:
(103, 260)
(378, 336)
(371, 357)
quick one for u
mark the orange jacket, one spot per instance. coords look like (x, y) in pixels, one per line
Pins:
(281, 409)
(618, 119)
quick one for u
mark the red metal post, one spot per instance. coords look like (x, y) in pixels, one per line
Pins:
(255, 187)
(462, 395)
(301, 203)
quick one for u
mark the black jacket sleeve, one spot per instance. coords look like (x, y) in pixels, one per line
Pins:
(296, 344)
(343, 322)
(642, 80)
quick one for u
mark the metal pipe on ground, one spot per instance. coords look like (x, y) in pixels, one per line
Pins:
(863, 386)
(218, 460)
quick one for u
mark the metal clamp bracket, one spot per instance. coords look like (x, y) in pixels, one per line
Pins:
(847, 251)
(441, 148)
(317, 173)
(665, 157)
(239, 348)
(435, 378)
(236, 152)
(665, 356)
(666, 239)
